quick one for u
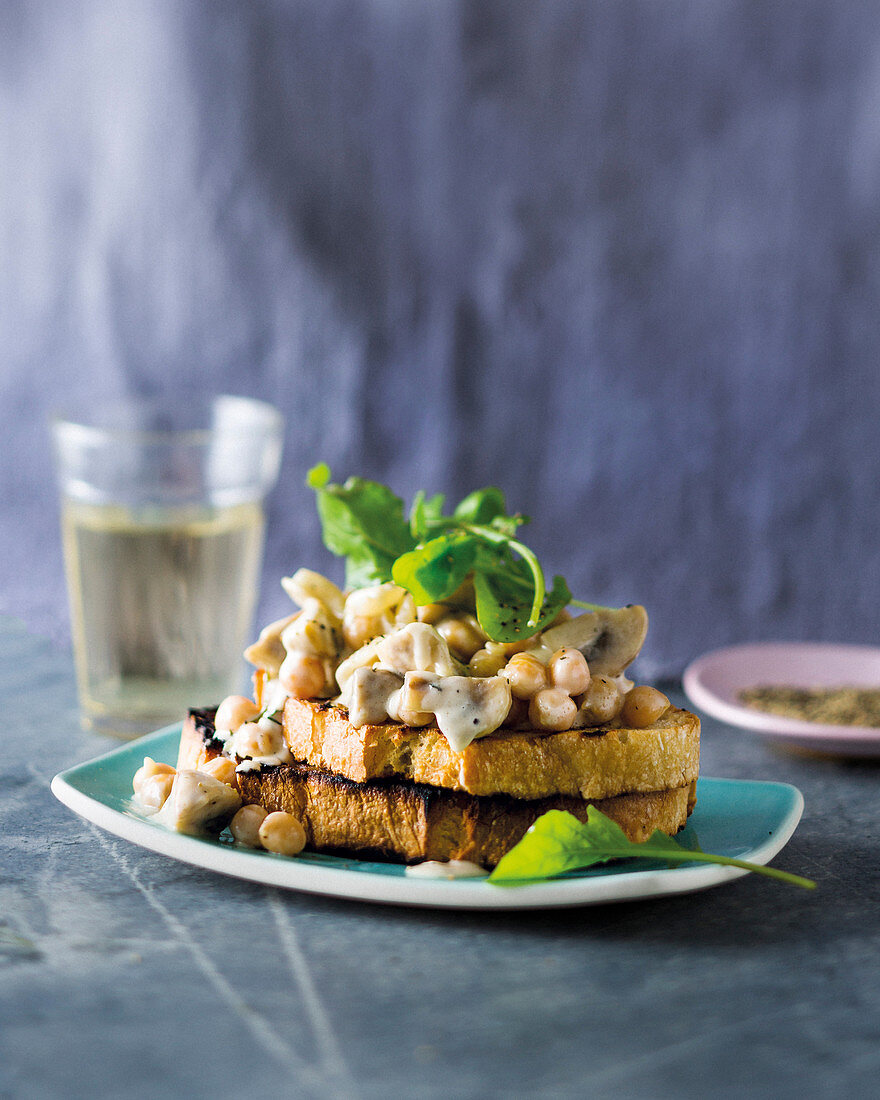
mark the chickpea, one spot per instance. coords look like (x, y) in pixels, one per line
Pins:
(432, 613)
(302, 674)
(398, 711)
(222, 768)
(462, 634)
(282, 833)
(155, 789)
(569, 670)
(505, 649)
(552, 708)
(486, 663)
(526, 675)
(150, 767)
(408, 715)
(234, 711)
(602, 701)
(643, 706)
(415, 717)
(245, 826)
(518, 715)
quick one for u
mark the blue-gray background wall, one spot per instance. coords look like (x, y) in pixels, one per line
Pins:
(620, 258)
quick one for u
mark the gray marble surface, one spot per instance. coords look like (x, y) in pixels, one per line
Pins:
(129, 975)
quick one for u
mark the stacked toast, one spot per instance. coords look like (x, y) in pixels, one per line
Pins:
(401, 793)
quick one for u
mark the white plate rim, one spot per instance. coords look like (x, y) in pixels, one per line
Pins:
(698, 675)
(285, 873)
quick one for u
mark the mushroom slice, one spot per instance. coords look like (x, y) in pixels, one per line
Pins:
(198, 804)
(306, 584)
(376, 610)
(367, 693)
(268, 650)
(315, 630)
(417, 647)
(466, 707)
(610, 637)
(365, 657)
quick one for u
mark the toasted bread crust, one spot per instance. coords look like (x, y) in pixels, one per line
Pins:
(396, 819)
(588, 764)
(197, 742)
(406, 821)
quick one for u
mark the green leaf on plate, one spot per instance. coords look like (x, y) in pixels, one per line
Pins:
(558, 842)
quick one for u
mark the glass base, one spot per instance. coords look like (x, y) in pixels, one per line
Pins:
(127, 729)
(129, 708)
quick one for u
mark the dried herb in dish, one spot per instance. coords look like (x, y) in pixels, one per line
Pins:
(841, 706)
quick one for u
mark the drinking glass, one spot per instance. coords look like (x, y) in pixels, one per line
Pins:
(163, 524)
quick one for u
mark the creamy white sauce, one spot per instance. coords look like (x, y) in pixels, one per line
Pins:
(365, 657)
(416, 646)
(245, 745)
(274, 697)
(223, 735)
(249, 766)
(465, 707)
(198, 803)
(455, 868)
(367, 694)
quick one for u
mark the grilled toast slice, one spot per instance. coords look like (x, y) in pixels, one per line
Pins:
(581, 763)
(396, 819)
(405, 821)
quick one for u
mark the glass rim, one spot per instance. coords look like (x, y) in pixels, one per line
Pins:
(74, 421)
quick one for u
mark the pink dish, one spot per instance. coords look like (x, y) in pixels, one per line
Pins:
(713, 683)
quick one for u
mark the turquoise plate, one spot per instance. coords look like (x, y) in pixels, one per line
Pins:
(746, 820)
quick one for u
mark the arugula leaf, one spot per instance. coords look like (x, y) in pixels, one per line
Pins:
(432, 555)
(504, 604)
(424, 514)
(363, 522)
(318, 476)
(481, 506)
(433, 571)
(558, 842)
